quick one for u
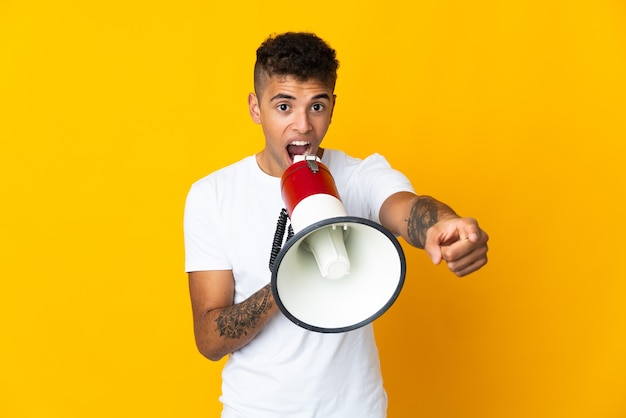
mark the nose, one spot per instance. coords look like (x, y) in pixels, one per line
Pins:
(301, 123)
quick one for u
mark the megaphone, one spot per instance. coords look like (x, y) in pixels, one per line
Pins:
(336, 273)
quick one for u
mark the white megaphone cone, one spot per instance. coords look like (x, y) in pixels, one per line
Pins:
(338, 272)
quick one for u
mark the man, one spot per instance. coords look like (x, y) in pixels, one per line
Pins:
(275, 368)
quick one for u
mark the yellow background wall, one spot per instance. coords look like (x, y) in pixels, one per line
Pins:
(512, 112)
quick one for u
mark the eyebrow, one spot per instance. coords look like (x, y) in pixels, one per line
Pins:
(281, 96)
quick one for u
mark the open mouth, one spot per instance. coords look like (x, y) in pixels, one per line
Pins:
(298, 148)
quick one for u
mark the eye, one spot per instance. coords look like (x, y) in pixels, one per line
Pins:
(317, 107)
(283, 107)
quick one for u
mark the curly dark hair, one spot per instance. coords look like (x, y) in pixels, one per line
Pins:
(301, 55)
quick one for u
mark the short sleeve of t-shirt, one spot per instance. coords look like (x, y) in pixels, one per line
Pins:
(230, 218)
(202, 251)
(365, 184)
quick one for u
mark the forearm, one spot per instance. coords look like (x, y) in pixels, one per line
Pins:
(223, 330)
(424, 212)
(431, 225)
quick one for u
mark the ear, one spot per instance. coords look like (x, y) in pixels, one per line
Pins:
(253, 107)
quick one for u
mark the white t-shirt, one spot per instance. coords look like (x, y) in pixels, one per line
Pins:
(286, 371)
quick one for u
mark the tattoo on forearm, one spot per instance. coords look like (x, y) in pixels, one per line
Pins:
(424, 214)
(235, 321)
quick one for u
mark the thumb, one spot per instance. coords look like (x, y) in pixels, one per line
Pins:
(433, 250)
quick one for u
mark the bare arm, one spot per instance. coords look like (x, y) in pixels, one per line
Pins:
(426, 223)
(221, 327)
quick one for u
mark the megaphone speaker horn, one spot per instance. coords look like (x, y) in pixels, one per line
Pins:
(337, 272)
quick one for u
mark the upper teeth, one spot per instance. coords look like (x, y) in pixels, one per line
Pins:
(299, 143)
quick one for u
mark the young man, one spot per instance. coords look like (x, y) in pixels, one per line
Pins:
(275, 368)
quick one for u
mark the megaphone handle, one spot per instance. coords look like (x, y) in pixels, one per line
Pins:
(277, 244)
